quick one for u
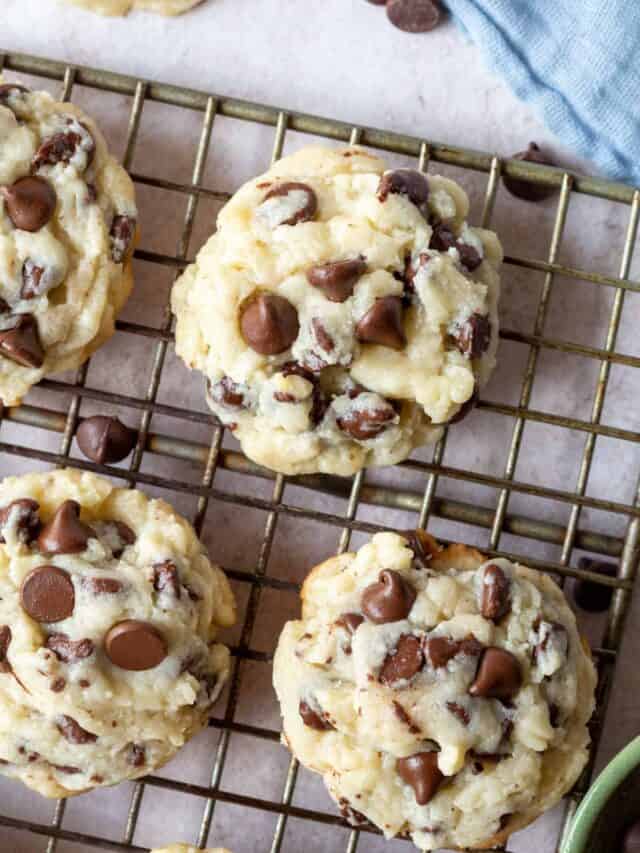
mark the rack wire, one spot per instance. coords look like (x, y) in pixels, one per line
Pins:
(424, 504)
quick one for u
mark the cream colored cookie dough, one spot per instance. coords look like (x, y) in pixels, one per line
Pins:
(187, 848)
(67, 227)
(341, 313)
(123, 7)
(439, 694)
(109, 612)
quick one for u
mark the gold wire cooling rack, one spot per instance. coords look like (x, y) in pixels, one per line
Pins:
(424, 504)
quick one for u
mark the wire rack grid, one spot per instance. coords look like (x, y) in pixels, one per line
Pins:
(425, 504)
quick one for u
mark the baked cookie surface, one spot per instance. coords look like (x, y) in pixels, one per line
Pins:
(67, 226)
(341, 314)
(123, 7)
(109, 611)
(440, 695)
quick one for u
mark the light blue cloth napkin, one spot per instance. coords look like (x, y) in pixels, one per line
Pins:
(577, 62)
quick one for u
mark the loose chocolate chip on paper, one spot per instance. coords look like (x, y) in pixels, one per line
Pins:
(495, 600)
(21, 342)
(413, 16)
(269, 323)
(526, 189)
(499, 675)
(312, 718)
(407, 182)
(135, 646)
(383, 324)
(591, 596)
(105, 439)
(72, 731)
(30, 202)
(337, 278)
(404, 662)
(421, 772)
(297, 203)
(24, 512)
(389, 599)
(122, 232)
(47, 594)
(69, 651)
(65, 533)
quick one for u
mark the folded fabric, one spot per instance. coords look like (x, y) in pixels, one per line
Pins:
(576, 62)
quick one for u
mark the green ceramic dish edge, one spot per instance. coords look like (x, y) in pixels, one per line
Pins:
(596, 798)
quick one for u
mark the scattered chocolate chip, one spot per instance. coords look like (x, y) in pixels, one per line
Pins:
(24, 514)
(389, 599)
(408, 182)
(472, 338)
(404, 662)
(269, 323)
(5, 642)
(325, 341)
(413, 16)
(460, 712)
(442, 237)
(104, 439)
(30, 202)
(338, 278)
(47, 594)
(62, 147)
(72, 731)
(499, 675)
(65, 533)
(383, 324)
(58, 685)
(165, 578)
(123, 229)
(401, 713)
(298, 203)
(136, 755)
(365, 424)
(350, 622)
(227, 393)
(440, 650)
(466, 408)
(102, 586)
(21, 342)
(591, 596)
(421, 772)
(135, 645)
(312, 718)
(423, 545)
(495, 600)
(69, 651)
(631, 839)
(526, 189)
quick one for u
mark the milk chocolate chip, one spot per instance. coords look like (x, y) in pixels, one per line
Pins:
(364, 424)
(413, 16)
(408, 182)
(337, 278)
(472, 338)
(5, 642)
(440, 650)
(526, 189)
(30, 202)
(383, 324)
(69, 651)
(228, 393)
(269, 323)
(24, 514)
(389, 599)
(105, 439)
(21, 342)
(62, 147)
(135, 645)
(65, 533)
(297, 203)
(47, 594)
(495, 600)
(312, 718)
(403, 663)
(421, 772)
(499, 675)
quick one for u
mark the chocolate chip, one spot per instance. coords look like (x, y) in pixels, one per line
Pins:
(297, 203)
(423, 545)
(72, 731)
(105, 439)
(165, 578)
(631, 839)
(36, 281)
(319, 400)
(495, 600)
(383, 324)
(460, 712)
(58, 685)
(338, 278)
(442, 237)
(67, 769)
(440, 650)
(499, 675)
(47, 594)
(364, 424)
(23, 513)
(65, 533)
(421, 772)
(408, 182)
(5, 642)
(351, 815)
(401, 713)
(116, 535)
(227, 393)
(21, 342)
(30, 202)
(472, 338)
(466, 408)
(102, 586)
(413, 16)
(123, 229)
(269, 323)
(312, 718)
(350, 622)
(136, 755)
(470, 258)
(404, 662)
(135, 645)
(526, 189)
(389, 599)
(591, 596)
(69, 651)
(62, 147)
(325, 341)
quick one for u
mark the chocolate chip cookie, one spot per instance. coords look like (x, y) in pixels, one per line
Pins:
(441, 695)
(123, 7)
(109, 611)
(341, 314)
(67, 227)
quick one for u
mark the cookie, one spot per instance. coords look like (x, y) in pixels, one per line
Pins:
(67, 227)
(341, 314)
(123, 7)
(109, 611)
(442, 696)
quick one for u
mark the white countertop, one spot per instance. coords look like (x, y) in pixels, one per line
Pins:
(340, 58)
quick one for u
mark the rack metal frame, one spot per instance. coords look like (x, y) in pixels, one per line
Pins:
(424, 504)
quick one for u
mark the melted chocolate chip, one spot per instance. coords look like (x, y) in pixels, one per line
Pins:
(72, 731)
(472, 338)
(123, 229)
(63, 146)
(269, 323)
(135, 646)
(136, 755)
(364, 424)
(299, 204)
(404, 662)
(69, 651)
(65, 533)
(389, 599)
(165, 578)
(526, 189)
(421, 772)
(102, 586)
(47, 594)
(495, 600)
(105, 439)
(338, 278)
(21, 343)
(30, 202)
(408, 182)
(228, 393)
(383, 324)
(591, 596)
(313, 719)
(440, 650)
(499, 675)
(24, 514)
(460, 712)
